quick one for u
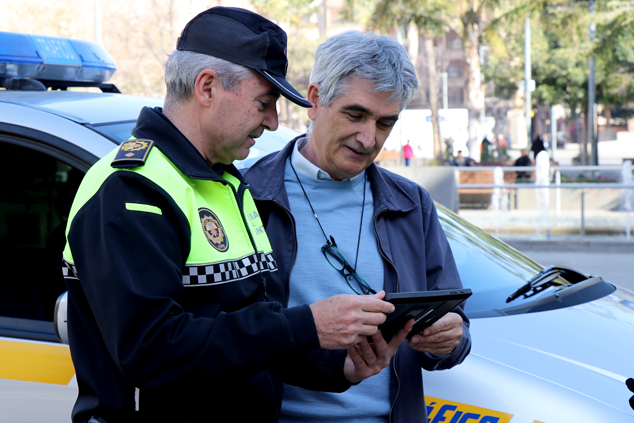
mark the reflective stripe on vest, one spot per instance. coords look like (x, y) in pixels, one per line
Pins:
(224, 221)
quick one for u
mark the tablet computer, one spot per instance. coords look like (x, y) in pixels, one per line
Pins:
(424, 307)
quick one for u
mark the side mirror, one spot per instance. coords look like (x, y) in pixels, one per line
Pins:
(61, 327)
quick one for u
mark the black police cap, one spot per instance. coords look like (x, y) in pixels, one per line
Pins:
(245, 38)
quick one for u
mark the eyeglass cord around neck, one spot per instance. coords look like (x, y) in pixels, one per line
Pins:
(365, 178)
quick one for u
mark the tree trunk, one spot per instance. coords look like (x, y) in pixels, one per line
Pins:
(607, 135)
(583, 141)
(433, 93)
(538, 123)
(475, 92)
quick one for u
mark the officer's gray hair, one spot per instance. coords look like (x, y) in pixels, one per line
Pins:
(183, 67)
(378, 59)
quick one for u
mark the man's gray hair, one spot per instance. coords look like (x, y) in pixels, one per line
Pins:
(183, 67)
(378, 59)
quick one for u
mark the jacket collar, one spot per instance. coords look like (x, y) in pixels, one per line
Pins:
(269, 174)
(154, 125)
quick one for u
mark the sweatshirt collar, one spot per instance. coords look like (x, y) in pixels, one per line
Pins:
(305, 166)
(269, 174)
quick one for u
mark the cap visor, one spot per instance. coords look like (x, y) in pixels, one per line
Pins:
(286, 89)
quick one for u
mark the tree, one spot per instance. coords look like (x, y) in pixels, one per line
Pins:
(561, 49)
(472, 21)
(423, 14)
(138, 35)
(469, 19)
(295, 17)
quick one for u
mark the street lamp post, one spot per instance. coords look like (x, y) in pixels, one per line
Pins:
(590, 134)
(445, 103)
(527, 73)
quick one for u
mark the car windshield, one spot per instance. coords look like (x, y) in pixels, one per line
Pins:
(505, 281)
(116, 131)
(491, 268)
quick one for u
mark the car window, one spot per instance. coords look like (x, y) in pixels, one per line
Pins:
(36, 193)
(505, 281)
(491, 268)
(116, 131)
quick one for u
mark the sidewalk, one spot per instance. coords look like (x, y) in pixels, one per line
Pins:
(530, 229)
(535, 223)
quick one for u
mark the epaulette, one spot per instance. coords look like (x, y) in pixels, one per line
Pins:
(132, 153)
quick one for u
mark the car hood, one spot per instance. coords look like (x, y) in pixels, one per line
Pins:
(585, 348)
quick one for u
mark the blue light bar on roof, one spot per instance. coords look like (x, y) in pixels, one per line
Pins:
(53, 58)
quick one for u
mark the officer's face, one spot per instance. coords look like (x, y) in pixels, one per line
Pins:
(349, 134)
(241, 117)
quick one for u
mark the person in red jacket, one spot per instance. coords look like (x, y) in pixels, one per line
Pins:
(408, 153)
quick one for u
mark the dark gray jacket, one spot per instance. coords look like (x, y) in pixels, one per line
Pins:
(416, 254)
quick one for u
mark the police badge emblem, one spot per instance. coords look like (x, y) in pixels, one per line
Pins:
(214, 232)
(132, 153)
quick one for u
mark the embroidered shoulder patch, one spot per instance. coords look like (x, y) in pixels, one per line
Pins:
(132, 153)
(214, 232)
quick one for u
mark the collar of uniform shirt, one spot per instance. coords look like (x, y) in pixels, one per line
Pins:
(305, 167)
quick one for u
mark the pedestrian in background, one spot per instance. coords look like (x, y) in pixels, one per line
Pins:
(502, 147)
(461, 160)
(523, 160)
(537, 146)
(408, 153)
(485, 150)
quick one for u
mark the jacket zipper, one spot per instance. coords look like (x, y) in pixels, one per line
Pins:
(381, 249)
(398, 390)
(398, 380)
(290, 215)
(239, 196)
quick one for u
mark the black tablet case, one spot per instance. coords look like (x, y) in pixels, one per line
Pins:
(425, 307)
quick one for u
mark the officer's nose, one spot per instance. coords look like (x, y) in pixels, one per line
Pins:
(270, 120)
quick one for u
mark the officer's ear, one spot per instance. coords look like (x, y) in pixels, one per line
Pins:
(206, 87)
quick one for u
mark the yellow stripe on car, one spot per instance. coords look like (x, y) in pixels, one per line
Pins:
(440, 410)
(34, 362)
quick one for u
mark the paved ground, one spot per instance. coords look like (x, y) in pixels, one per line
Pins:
(615, 263)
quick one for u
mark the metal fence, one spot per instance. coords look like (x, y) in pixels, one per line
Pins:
(592, 177)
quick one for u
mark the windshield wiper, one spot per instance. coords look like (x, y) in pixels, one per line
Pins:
(544, 279)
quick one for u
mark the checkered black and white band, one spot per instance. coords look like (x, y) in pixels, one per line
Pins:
(214, 273)
(228, 271)
(69, 270)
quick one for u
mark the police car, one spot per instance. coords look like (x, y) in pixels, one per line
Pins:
(549, 345)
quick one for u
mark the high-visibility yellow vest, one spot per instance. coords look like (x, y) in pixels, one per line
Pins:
(228, 241)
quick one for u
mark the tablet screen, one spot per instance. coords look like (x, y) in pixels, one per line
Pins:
(424, 307)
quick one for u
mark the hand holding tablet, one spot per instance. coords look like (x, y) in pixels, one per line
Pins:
(424, 307)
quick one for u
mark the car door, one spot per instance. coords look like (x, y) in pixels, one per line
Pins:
(38, 180)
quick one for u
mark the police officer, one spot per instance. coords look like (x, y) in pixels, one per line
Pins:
(170, 318)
